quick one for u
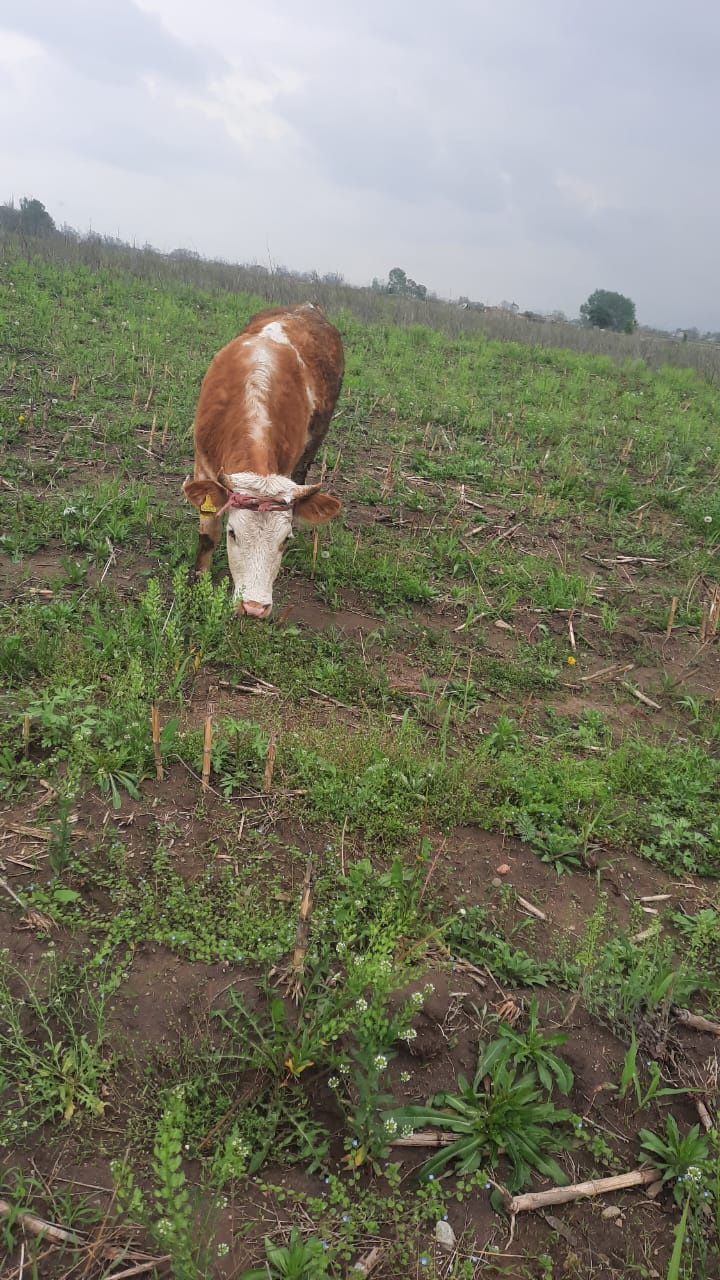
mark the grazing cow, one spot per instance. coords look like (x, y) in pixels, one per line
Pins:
(264, 409)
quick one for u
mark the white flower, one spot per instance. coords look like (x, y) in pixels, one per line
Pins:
(391, 1126)
(410, 1034)
(380, 1062)
(70, 511)
(404, 1077)
(333, 1083)
(361, 1005)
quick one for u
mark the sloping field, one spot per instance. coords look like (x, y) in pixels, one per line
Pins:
(425, 937)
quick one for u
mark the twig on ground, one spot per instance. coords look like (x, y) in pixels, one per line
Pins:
(697, 1022)
(425, 1138)
(39, 1227)
(704, 1115)
(141, 1269)
(532, 1200)
(530, 908)
(367, 1264)
(616, 668)
(641, 697)
(671, 617)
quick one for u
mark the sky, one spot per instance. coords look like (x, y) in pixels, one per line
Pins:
(527, 150)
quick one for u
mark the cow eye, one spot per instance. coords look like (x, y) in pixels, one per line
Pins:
(231, 534)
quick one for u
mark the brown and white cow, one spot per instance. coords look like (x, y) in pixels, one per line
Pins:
(264, 409)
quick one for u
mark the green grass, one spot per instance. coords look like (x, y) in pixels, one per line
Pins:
(490, 493)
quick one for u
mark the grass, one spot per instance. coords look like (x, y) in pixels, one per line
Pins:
(475, 703)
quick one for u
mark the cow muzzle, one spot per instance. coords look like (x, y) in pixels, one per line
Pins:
(252, 609)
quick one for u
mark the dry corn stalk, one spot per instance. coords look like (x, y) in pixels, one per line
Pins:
(269, 765)
(292, 975)
(155, 727)
(207, 751)
(711, 618)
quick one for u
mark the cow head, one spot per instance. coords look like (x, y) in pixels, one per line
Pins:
(260, 513)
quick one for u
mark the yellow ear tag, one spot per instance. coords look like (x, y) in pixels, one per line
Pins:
(208, 506)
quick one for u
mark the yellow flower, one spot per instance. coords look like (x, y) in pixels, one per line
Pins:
(571, 661)
(21, 418)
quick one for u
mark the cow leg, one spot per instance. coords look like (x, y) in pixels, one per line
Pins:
(317, 433)
(209, 537)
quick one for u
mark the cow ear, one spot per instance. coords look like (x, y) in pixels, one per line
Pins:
(317, 508)
(207, 495)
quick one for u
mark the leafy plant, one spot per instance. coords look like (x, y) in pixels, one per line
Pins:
(630, 1075)
(502, 1112)
(534, 1047)
(299, 1259)
(57, 1070)
(679, 1160)
(178, 1226)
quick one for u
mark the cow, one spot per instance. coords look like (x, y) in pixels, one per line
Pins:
(264, 409)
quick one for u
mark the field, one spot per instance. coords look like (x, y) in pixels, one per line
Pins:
(425, 937)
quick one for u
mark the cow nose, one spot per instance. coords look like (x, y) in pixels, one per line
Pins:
(255, 610)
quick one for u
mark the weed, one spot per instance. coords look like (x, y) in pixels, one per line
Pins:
(681, 1160)
(54, 1069)
(299, 1259)
(533, 1046)
(630, 1075)
(507, 1116)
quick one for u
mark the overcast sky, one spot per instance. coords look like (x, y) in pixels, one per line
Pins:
(529, 150)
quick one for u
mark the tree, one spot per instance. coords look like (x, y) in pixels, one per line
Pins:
(31, 217)
(397, 281)
(402, 286)
(607, 310)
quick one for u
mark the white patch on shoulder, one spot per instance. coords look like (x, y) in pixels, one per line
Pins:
(275, 332)
(257, 390)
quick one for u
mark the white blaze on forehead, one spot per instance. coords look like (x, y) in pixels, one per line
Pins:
(272, 486)
(255, 550)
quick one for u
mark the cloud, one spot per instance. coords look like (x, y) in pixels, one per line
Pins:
(527, 151)
(111, 41)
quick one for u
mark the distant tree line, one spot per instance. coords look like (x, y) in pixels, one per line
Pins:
(29, 217)
(604, 311)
